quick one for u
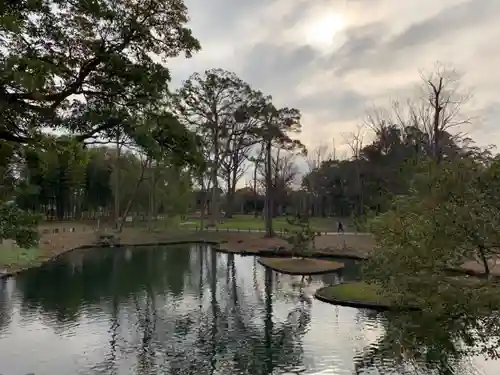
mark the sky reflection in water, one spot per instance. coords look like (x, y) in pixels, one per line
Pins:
(185, 310)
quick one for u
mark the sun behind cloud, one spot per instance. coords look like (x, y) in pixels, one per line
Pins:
(320, 32)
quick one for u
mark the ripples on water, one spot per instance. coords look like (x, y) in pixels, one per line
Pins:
(186, 310)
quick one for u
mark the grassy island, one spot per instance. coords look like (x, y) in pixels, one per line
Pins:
(357, 294)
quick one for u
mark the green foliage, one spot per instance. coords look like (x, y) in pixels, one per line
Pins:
(90, 69)
(301, 236)
(160, 135)
(97, 190)
(68, 179)
(18, 225)
(362, 223)
(106, 50)
(8, 158)
(448, 217)
(383, 170)
(53, 173)
(278, 124)
(14, 258)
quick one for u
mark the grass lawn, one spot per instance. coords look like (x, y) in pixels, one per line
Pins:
(358, 294)
(12, 258)
(297, 266)
(280, 223)
(354, 292)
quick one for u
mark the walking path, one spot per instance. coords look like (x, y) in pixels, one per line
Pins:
(241, 230)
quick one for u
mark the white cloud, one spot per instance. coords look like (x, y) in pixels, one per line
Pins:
(376, 58)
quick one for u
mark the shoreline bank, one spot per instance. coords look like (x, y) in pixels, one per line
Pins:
(358, 295)
(352, 247)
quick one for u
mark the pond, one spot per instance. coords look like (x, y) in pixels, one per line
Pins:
(189, 310)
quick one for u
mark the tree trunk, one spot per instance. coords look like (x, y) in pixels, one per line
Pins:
(230, 204)
(131, 200)
(231, 187)
(203, 208)
(437, 119)
(202, 211)
(214, 204)
(437, 148)
(255, 196)
(60, 209)
(359, 188)
(486, 266)
(117, 179)
(229, 197)
(269, 204)
(152, 196)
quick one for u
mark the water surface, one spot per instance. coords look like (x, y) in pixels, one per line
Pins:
(189, 310)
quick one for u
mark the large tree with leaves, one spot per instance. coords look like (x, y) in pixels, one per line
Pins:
(89, 67)
(450, 216)
(211, 103)
(82, 65)
(274, 130)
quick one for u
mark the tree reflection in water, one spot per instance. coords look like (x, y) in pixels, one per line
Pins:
(6, 307)
(421, 345)
(153, 328)
(238, 343)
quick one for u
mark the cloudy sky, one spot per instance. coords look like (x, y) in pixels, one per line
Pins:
(335, 59)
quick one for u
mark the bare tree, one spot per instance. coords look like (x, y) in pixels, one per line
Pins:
(284, 173)
(314, 160)
(444, 95)
(436, 111)
(355, 141)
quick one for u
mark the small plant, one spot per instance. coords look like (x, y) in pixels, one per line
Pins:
(301, 237)
(18, 225)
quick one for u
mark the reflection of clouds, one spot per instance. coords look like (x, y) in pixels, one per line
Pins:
(128, 255)
(60, 350)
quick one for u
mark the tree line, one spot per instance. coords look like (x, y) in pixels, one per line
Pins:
(100, 76)
(132, 144)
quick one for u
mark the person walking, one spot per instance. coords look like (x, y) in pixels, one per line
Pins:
(340, 227)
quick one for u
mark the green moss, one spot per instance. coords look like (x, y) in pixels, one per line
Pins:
(358, 291)
(12, 258)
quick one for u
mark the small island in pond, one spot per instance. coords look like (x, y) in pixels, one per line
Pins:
(301, 266)
(357, 294)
